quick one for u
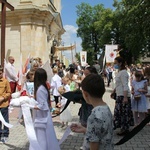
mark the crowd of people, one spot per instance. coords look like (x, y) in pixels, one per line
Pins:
(131, 91)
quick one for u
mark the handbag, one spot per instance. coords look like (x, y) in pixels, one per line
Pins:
(114, 96)
(40, 122)
(137, 97)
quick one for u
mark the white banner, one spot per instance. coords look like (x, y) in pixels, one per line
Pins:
(4, 122)
(30, 129)
(83, 58)
(48, 70)
(110, 53)
(65, 135)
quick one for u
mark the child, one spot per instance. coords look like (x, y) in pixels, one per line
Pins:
(72, 77)
(43, 124)
(73, 85)
(99, 131)
(139, 103)
(55, 84)
(65, 116)
(29, 84)
(5, 92)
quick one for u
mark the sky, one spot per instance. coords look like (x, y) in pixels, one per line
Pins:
(69, 16)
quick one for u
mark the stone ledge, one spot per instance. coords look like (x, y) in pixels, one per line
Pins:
(26, 1)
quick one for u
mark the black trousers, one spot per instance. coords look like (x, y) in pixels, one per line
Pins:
(56, 98)
(109, 78)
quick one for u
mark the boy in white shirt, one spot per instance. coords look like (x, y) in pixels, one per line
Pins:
(56, 82)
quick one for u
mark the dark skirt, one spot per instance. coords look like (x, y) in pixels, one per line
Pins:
(84, 112)
(123, 116)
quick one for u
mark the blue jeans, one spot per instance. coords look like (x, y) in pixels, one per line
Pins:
(5, 131)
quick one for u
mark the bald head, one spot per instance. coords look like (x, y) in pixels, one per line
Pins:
(11, 59)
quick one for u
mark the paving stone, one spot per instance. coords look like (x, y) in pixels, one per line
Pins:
(18, 138)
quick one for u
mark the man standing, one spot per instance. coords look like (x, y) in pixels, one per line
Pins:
(11, 74)
(109, 70)
(97, 66)
(5, 92)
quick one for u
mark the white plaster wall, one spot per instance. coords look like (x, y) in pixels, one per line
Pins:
(27, 34)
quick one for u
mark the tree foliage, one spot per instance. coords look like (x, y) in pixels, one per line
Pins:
(91, 28)
(133, 22)
(77, 56)
(128, 25)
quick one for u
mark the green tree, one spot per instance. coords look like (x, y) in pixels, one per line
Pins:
(127, 25)
(94, 28)
(133, 19)
(77, 56)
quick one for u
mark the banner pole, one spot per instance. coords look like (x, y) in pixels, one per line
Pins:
(75, 51)
(72, 52)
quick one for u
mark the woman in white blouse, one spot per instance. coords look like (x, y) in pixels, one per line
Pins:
(123, 117)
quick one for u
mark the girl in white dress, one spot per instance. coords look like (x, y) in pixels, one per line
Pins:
(65, 116)
(139, 103)
(29, 84)
(43, 123)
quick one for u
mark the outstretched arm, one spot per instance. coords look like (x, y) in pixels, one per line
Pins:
(77, 128)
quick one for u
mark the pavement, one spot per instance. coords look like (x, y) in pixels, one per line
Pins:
(18, 139)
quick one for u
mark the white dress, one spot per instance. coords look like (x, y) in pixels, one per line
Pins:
(43, 124)
(140, 105)
(65, 116)
(55, 84)
(30, 88)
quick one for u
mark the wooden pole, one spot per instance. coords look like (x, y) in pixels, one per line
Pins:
(61, 56)
(75, 51)
(3, 22)
(72, 53)
(3, 26)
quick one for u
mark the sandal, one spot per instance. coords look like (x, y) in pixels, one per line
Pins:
(122, 133)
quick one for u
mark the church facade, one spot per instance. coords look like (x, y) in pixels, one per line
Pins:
(33, 28)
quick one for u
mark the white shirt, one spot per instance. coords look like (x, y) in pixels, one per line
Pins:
(64, 100)
(122, 83)
(79, 67)
(55, 84)
(11, 73)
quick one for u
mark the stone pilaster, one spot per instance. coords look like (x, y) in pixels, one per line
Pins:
(31, 29)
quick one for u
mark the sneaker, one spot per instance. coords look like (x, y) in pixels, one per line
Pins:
(122, 133)
(62, 125)
(81, 148)
(4, 139)
(1, 140)
(22, 123)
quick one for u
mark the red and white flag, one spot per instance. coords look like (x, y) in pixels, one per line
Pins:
(20, 75)
(110, 53)
(26, 64)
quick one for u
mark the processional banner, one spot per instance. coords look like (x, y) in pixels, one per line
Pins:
(83, 58)
(110, 53)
